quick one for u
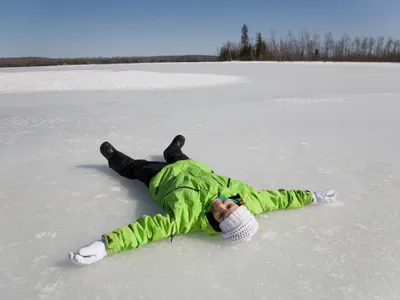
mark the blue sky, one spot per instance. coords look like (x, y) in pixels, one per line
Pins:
(61, 28)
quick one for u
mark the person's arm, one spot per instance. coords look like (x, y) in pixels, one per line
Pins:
(269, 200)
(144, 230)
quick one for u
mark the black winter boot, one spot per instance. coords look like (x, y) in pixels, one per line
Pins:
(107, 150)
(173, 152)
(179, 140)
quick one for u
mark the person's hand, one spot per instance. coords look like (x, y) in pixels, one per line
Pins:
(89, 254)
(324, 197)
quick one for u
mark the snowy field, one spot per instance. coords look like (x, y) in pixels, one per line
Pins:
(274, 125)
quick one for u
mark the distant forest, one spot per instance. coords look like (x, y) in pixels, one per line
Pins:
(45, 61)
(311, 48)
(304, 47)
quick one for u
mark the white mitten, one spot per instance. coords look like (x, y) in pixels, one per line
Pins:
(323, 197)
(89, 254)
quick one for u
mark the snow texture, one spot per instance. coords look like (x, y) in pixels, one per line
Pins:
(274, 125)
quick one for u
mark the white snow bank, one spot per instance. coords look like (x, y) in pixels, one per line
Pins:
(106, 80)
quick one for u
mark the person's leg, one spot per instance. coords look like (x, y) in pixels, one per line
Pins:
(173, 152)
(128, 167)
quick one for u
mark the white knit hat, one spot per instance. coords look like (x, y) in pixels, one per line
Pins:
(240, 226)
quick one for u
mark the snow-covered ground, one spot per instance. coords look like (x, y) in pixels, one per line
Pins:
(274, 125)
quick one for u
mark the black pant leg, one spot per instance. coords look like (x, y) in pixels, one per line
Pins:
(130, 168)
(173, 154)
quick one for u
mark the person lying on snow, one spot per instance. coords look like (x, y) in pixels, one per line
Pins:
(195, 199)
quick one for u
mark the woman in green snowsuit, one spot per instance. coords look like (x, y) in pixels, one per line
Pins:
(195, 199)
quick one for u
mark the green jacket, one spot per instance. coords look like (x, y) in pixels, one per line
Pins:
(185, 189)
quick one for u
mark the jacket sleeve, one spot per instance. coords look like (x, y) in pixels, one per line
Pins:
(144, 230)
(268, 200)
(150, 229)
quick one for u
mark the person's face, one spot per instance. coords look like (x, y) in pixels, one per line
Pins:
(222, 209)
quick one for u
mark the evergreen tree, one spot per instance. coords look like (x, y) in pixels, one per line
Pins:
(245, 36)
(245, 44)
(260, 46)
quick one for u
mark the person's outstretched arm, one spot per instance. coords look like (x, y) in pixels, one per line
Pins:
(269, 200)
(129, 237)
(144, 230)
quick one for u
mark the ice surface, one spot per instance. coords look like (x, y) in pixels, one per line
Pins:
(104, 80)
(274, 125)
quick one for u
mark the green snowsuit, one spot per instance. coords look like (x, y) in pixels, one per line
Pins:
(185, 189)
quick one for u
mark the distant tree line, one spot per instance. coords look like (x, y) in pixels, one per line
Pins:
(44, 61)
(311, 48)
(305, 47)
